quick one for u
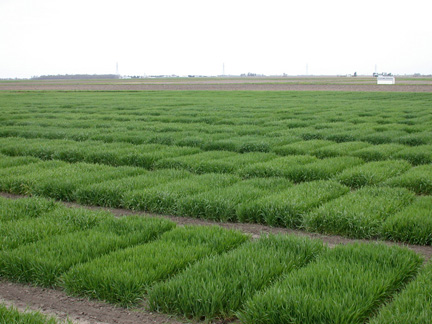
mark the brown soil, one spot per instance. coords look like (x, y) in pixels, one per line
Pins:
(82, 311)
(213, 86)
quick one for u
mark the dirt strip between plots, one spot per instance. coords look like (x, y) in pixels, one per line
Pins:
(82, 311)
(79, 310)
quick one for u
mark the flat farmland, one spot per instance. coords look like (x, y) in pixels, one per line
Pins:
(289, 83)
(353, 164)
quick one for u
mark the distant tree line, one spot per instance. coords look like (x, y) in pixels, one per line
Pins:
(76, 76)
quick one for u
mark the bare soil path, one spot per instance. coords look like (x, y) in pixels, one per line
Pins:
(78, 310)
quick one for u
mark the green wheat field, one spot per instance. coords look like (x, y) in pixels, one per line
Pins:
(353, 164)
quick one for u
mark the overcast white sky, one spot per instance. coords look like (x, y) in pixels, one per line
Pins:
(196, 37)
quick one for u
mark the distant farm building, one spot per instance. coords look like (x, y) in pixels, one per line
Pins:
(386, 79)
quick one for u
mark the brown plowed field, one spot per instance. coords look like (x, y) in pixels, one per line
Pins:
(222, 84)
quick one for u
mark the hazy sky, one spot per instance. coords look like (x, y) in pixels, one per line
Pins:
(196, 37)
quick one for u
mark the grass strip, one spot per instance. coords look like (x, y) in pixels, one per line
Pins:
(416, 155)
(418, 179)
(218, 286)
(43, 262)
(61, 183)
(9, 176)
(345, 285)
(378, 152)
(323, 169)
(383, 137)
(123, 277)
(223, 203)
(197, 163)
(413, 305)
(11, 315)
(359, 214)
(412, 224)
(229, 163)
(372, 173)
(15, 209)
(242, 144)
(339, 149)
(286, 208)
(8, 161)
(302, 147)
(279, 167)
(111, 193)
(415, 139)
(165, 197)
(61, 220)
(115, 154)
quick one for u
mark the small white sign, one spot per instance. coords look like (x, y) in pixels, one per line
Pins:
(386, 79)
